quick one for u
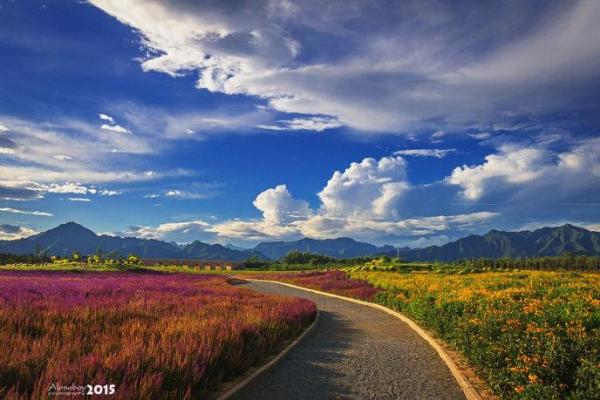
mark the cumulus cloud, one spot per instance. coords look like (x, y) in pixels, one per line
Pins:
(362, 202)
(27, 212)
(371, 187)
(278, 205)
(387, 76)
(437, 153)
(13, 232)
(281, 214)
(373, 200)
(512, 166)
(521, 173)
(3, 128)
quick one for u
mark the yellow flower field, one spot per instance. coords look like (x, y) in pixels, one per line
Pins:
(532, 334)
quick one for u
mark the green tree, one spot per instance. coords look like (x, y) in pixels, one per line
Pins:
(132, 259)
(76, 256)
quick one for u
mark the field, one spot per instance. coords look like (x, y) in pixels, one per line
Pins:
(167, 336)
(531, 335)
(329, 281)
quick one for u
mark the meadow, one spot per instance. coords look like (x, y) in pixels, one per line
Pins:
(529, 334)
(167, 336)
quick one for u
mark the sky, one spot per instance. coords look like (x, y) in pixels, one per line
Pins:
(408, 123)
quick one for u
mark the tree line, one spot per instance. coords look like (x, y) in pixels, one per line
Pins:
(297, 260)
(567, 261)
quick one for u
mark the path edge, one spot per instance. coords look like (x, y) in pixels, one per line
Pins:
(229, 393)
(467, 388)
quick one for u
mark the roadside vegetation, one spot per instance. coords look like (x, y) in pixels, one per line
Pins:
(531, 334)
(531, 327)
(167, 336)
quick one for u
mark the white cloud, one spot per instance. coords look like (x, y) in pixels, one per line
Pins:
(188, 195)
(72, 188)
(62, 157)
(38, 146)
(14, 232)
(370, 187)
(3, 128)
(163, 230)
(106, 192)
(526, 172)
(108, 118)
(318, 124)
(28, 212)
(387, 77)
(194, 191)
(278, 205)
(324, 226)
(114, 128)
(80, 199)
(437, 153)
(510, 166)
(361, 202)
(75, 188)
(254, 230)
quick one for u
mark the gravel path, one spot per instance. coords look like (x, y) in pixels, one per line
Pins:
(355, 352)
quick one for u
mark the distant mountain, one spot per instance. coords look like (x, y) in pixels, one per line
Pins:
(70, 237)
(234, 247)
(539, 243)
(205, 251)
(339, 248)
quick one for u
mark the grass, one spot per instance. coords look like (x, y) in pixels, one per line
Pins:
(156, 336)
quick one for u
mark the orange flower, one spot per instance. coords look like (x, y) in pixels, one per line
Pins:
(532, 378)
(519, 389)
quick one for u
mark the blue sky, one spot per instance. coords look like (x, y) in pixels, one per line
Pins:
(405, 122)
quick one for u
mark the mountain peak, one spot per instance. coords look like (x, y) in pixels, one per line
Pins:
(71, 228)
(572, 227)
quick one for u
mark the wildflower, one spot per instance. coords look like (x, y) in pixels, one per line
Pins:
(519, 389)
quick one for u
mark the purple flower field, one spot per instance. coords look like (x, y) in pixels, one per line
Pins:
(336, 282)
(171, 336)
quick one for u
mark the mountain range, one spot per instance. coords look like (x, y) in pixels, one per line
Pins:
(69, 237)
(66, 238)
(340, 248)
(549, 241)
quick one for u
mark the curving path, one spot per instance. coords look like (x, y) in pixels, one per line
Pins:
(355, 352)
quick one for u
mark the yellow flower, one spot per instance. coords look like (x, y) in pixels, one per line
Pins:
(532, 378)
